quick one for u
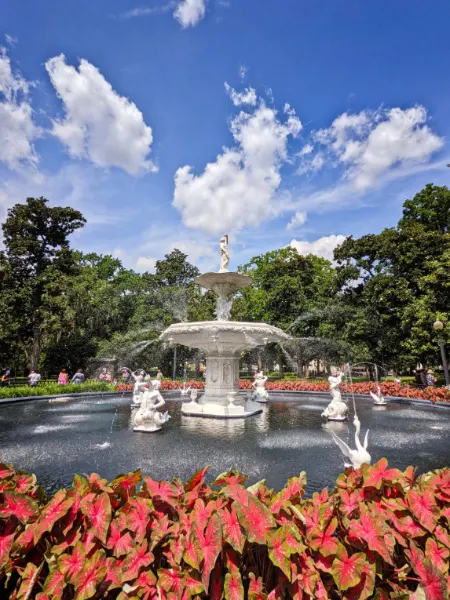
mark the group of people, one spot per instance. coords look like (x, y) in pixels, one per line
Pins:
(424, 378)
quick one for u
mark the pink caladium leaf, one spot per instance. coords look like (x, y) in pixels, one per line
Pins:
(236, 491)
(279, 550)
(208, 544)
(71, 564)
(364, 589)
(98, 484)
(190, 552)
(256, 520)
(423, 507)
(193, 587)
(377, 474)
(347, 570)
(54, 584)
(20, 506)
(230, 477)
(139, 557)
(24, 482)
(113, 574)
(437, 554)
(28, 580)
(232, 530)
(87, 581)
(368, 529)
(442, 536)
(202, 513)
(51, 513)
(98, 512)
(6, 542)
(432, 581)
(119, 543)
(172, 580)
(197, 480)
(138, 517)
(256, 588)
(161, 490)
(233, 588)
(324, 539)
(127, 483)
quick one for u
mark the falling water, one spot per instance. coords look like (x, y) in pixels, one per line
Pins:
(223, 309)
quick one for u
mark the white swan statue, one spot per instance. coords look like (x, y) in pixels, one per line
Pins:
(378, 398)
(359, 456)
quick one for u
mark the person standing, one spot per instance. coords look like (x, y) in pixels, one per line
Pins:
(159, 376)
(431, 379)
(6, 380)
(34, 378)
(63, 377)
(78, 377)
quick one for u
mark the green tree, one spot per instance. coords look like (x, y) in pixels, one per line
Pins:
(37, 262)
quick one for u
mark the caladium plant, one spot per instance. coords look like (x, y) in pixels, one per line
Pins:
(381, 533)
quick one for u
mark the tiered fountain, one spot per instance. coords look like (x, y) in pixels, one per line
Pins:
(222, 341)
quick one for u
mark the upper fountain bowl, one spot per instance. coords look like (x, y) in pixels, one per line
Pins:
(225, 283)
(215, 337)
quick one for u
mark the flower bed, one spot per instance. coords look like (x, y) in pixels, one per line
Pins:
(388, 388)
(381, 533)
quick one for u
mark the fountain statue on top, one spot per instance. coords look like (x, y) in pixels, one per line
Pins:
(222, 341)
(337, 409)
(357, 457)
(377, 398)
(147, 419)
(260, 394)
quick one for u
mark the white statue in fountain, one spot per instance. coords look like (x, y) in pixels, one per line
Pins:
(184, 391)
(337, 409)
(378, 398)
(360, 456)
(147, 418)
(260, 394)
(224, 254)
(138, 390)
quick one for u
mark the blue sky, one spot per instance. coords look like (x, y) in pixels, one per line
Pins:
(333, 114)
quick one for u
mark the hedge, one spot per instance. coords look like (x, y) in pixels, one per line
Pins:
(53, 389)
(381, 533)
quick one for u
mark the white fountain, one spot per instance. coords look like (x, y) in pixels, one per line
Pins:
(377, 398)
(222, 341)
(148, 419)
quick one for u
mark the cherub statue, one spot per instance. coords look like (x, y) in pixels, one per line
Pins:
(139, 388)
(260, 394)
(224, 254)
(337, 409)
(147, 418)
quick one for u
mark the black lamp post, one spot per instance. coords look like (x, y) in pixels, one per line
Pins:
(438, 326)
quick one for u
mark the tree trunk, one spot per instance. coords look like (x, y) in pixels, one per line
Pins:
(36, 353)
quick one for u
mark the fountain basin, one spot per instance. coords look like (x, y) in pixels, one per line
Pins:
(222, 342)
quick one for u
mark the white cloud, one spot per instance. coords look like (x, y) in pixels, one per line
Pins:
(145, 263)
(311, 164)
(297, 220)
(148, 11)
(99, 124)
(11, 40)
(240, 187)
(248, 96)
(243, 70)
(190, 12)
(17, 129)
(322, 247)
(195, 251)
(373, 144)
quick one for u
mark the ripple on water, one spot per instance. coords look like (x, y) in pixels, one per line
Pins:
(49, 428)
(296, 439)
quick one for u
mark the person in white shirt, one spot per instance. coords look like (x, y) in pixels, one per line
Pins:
(34, 378)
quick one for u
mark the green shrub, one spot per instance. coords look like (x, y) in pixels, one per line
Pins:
(53, 389)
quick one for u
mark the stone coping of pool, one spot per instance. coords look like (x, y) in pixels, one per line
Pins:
(175, 395)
